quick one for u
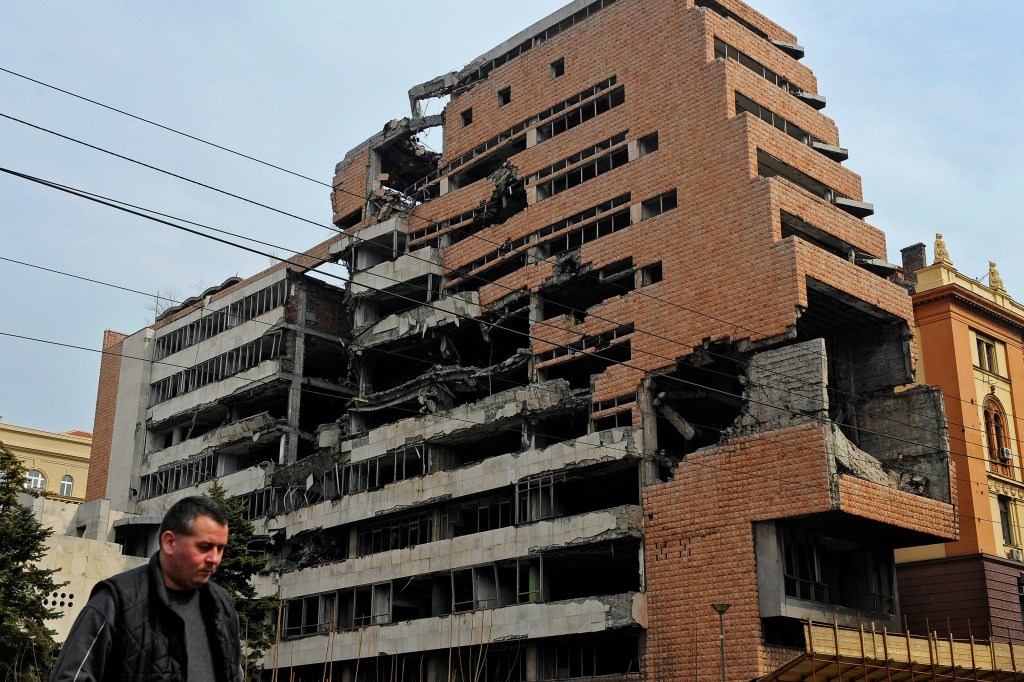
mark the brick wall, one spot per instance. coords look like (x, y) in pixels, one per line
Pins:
(103, 420)
(699, 542)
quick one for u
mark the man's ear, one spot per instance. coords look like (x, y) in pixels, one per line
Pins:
(168, 541)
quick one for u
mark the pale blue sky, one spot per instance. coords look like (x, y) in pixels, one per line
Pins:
(926, 94)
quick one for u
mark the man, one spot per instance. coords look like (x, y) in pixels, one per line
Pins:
(165, 621)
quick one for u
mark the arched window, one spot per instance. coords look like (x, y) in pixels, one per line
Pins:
(67, 484)
(996, 434)
(34, 480)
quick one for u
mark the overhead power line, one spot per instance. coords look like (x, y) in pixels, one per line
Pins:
(164, 127)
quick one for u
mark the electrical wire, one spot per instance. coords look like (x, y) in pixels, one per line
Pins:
(646, 372)
(164, 127)
(454, 270)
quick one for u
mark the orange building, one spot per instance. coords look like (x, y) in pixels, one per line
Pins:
(969, 340)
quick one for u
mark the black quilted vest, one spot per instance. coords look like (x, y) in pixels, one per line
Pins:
(149, 637)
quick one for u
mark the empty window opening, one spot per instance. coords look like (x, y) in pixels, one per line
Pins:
(577, 658)
(492, 443)
(221, 319)
(659, 204)
(486, 165)
(178, 476)
(698, 401)
(499, 260)
(559, 494)
(484, 69)
(769, 166)
(504, 96)
(836, 571)
(216, 369)
(582, 114)
(745, 104)
(580, 369)
(398, 533)
(428, 185)
(579, 294)
(558, 68)
(309, 615)
(725, 51)
(467, 117)
(558, 428)
(795, 226)
(650, 274)
(569, 574)
(648, 144)
(587, 171)
(350, 220)
(478, 516)
(614, 420)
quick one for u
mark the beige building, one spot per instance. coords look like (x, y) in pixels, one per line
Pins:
(56, 462)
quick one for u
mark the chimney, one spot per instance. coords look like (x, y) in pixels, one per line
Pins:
(915, 257)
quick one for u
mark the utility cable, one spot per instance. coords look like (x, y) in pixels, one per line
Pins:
(341, 190)
(675, 304)
(164, 127)
(645, 372)
(667, 359)
(767, 435)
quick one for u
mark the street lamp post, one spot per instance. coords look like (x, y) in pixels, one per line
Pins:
(720, 609)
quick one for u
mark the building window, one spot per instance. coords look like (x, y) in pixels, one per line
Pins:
(987, 357)
(558, 68)
(648, 144)
(34, 480)
(67, 484)
(995, 432)
(658, 205)
(467, 117)
(1005, 520)
(504, 96)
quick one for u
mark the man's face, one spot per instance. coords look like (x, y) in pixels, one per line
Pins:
(188, 561)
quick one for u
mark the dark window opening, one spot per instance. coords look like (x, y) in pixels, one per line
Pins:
(559, 494)
(696, 403)
(579, 370)
(782, 631)
(478, 516)
(582, 114)
(648, 144)
(467, 117)
(559, 428)
(486, 165)
(351, 220)
(398, 533)
(611, 421)
(987, 354)
(497, 442)
(570, 575)
(581, 293)
(836, 571)
(504, 96)
(658, 205)
(558, 68)
(795, 226)
(587, 171)
(745, 104)
(650, 274)
(573, 658)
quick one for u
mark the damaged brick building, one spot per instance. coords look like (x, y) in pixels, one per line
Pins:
(625, 349)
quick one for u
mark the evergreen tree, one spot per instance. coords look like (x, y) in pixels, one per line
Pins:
(235, 573)
(26, 644)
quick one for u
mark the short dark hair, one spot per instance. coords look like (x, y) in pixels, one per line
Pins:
(183, 514)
